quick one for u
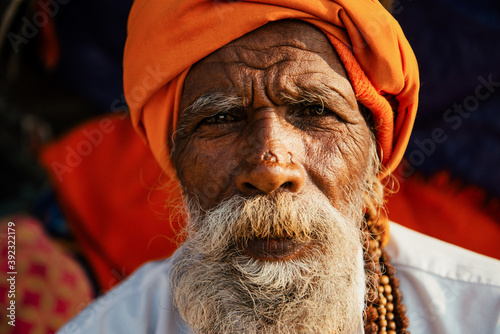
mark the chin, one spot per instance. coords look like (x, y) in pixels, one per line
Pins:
(314, 282)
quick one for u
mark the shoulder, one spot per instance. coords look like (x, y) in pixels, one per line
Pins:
(446, 289)
(141, 303)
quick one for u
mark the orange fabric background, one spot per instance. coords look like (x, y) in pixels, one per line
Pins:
(112, 197)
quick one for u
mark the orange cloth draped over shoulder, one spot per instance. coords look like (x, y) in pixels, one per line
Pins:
(166, 37)
(119, 206)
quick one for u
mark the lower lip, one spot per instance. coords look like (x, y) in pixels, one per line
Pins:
(274, 249)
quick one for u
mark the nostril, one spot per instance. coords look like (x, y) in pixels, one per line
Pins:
(249, 186)
(265, 178)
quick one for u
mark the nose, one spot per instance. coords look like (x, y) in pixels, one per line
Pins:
(271, 172)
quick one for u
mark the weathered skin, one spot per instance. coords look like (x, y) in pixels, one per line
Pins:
(269, 144)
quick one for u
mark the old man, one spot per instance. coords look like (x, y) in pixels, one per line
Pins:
(280, 120)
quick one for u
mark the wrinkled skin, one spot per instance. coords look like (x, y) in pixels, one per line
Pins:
(271, 142)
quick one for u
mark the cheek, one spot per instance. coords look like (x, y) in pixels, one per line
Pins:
(204, 170)
(337, 161)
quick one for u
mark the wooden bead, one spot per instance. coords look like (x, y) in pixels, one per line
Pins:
(386, 257)
(371, 314)
(395, 282)
(371, 328)
(388, 306)
(401, 321)
(390, 270)
(401, 309)
(398, 296)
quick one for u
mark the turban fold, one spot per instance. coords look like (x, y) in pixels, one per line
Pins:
(166, 37)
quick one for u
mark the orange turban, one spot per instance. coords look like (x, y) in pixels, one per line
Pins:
(166, 37)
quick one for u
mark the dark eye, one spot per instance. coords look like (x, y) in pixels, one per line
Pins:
(315, 110)
(220, 119)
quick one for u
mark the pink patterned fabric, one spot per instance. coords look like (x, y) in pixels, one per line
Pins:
(50, 286)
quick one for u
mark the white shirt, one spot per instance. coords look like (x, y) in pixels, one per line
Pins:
(446, 290)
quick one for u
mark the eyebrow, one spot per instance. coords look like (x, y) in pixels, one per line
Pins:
(305, 96)
(211, 103)
(318, 94)
(215, 101)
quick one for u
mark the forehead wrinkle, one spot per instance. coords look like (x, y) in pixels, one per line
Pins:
(266, 57)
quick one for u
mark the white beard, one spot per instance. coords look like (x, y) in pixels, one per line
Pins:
(218, 289)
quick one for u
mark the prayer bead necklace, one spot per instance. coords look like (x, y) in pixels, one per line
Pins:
(384, 312)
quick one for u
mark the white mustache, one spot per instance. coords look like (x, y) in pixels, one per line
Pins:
(282, 216)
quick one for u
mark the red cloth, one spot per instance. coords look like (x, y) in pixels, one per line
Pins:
(448, 211)
(114, 197)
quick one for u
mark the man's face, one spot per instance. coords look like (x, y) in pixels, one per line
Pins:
(273, 153)
(271, 112)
